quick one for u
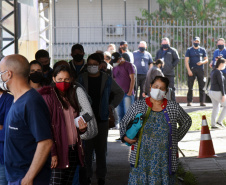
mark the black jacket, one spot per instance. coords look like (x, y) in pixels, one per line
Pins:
(171, 59)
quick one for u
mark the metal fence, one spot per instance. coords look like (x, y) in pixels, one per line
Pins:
(181, 33)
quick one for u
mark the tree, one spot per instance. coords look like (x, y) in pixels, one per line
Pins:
(200, 10)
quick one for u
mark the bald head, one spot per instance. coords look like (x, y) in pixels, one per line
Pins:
(18, 64)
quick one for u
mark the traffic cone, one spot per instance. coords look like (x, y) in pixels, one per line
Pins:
(206, 149)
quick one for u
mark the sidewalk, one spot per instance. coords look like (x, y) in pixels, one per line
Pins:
(209, 171)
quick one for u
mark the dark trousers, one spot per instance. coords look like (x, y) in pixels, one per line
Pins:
(199, 73)
(171, 85)
(99, 145)
(140, 83)
(65, 176)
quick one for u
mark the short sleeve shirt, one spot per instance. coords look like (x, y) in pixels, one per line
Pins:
(27, 123)
(195, 56)
(142, 61)
(122, 73)
(217, 53)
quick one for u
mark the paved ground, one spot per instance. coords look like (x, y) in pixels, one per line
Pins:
(209, 171)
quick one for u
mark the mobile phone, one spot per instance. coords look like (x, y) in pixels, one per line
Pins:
(86, 117)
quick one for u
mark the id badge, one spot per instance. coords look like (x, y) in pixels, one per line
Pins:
(200, 58)
(142, 63)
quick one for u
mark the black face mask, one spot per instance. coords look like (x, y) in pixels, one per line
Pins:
(124, 48)
(220, 47)
(165, 46)
(142, 49)
(196, 44)
(78, 57)
(36, 77)
(46, 67)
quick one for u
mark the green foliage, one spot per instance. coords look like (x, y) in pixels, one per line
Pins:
(200, 10)
(187, 176)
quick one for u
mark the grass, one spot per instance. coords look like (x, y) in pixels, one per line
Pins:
(186, 177)
(197, 119)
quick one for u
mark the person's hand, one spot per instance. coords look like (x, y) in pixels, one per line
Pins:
(130, 141)
(143, 94)
(26, 181)
(82, 124)
(199, 63)
(211, 64)
(54, 161)
(223, 99)
(129, 93)
(190, 73)
(1, 127)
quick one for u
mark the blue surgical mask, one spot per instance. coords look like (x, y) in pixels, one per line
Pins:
(141, 49)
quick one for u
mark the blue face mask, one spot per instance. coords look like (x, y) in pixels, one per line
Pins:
(196, 44)
(220, 47)
(141, 49)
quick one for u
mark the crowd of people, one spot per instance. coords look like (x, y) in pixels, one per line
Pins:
(54, 122)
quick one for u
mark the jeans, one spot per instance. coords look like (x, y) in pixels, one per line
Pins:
(3, 180)
(199, 73)
(216, 101)
(122, 108)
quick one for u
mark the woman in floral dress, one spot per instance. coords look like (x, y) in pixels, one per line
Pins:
(153, 156)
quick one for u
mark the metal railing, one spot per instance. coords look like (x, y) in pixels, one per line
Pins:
(181, 33)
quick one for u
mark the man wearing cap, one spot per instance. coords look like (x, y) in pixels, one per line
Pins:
(171, 58)
(123, 73)
(143, 61)
(78, 64)
(124, 49)
(218, 53)
(195, 59)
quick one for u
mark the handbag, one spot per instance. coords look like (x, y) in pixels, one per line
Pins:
(85, 107)
(133, 128)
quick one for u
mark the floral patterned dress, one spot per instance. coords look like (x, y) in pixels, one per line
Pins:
(153, 165)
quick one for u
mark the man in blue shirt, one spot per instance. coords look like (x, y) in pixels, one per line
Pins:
(195, 59)
(218, 53)
(171, 58)
(28, 133)
(5, 103)
(143, 61)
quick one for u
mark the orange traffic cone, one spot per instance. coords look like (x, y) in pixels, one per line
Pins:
(206, 149)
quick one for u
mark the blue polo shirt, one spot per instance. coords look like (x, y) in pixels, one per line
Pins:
(217, 53)
(142, 61)
(195, 56)
(27, 123)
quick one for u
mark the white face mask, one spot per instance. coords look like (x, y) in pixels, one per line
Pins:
(115, 64)
(93, 69)
(3, 85)
(157, 94)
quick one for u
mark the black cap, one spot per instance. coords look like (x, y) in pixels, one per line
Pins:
(197, 38)
(123, 42)
(77, 46)
(115, 57)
